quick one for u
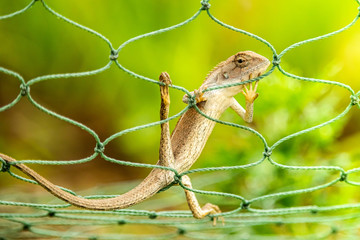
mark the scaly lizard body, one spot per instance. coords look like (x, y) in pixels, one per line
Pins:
(183, 147)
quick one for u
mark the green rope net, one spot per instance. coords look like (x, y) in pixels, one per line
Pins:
(59, 220)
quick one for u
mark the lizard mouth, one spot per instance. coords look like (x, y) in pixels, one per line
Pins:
(253, 72)
(256, 71)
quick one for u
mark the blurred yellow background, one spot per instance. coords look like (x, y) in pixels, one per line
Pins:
(37, 43)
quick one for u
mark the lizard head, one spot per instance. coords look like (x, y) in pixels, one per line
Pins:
(238, 68)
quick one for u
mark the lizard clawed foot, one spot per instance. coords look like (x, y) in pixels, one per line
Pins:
(164, 89)
(199, 95)
(210, 208)
(165, 78)
(250, 92)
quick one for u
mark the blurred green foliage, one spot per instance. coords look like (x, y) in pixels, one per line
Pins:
(36, 43)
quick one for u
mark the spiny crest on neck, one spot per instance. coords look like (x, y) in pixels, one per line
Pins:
(217, 67)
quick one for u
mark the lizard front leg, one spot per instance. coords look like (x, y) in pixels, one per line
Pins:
(250, 96)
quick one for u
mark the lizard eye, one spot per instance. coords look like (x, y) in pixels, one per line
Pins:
(241, 61)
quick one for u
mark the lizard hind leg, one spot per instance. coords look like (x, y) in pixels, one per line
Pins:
(166, 156)
(197, 211)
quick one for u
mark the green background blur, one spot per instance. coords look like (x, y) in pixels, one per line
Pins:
(36, 43)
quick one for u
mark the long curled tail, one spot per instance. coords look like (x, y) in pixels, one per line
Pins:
(144, 190)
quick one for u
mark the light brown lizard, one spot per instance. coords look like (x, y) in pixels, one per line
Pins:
(181, 149)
